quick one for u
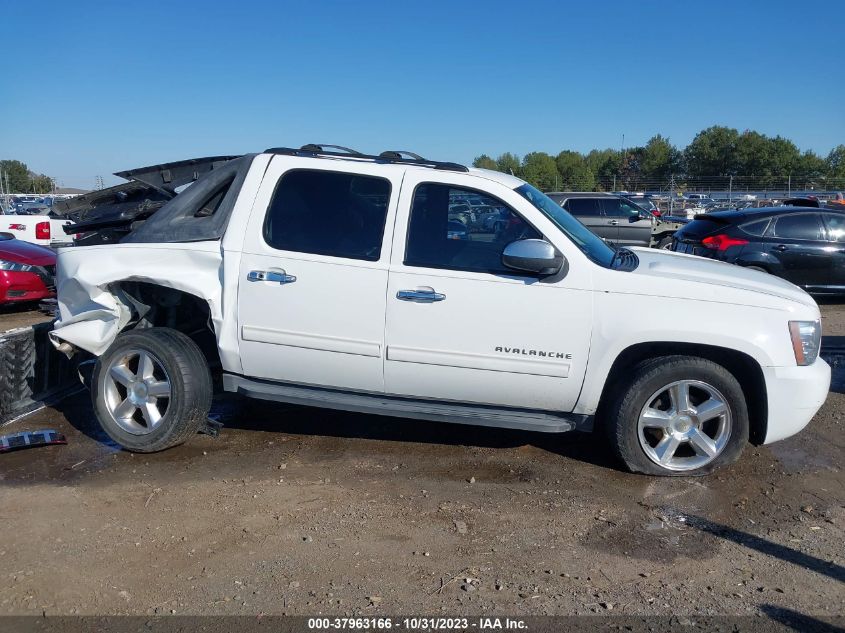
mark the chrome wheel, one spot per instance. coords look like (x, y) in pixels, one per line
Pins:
(684, 425)
(137, 391)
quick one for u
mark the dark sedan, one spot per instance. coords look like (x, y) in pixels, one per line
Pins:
(802, 245)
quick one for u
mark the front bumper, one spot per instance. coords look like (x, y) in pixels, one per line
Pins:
(795, 394)
(23, 286)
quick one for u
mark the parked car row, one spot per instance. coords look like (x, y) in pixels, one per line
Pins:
(802, 245)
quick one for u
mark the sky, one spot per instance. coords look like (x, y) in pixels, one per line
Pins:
(90, 88)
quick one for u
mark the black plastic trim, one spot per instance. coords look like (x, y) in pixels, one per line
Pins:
(382, 404)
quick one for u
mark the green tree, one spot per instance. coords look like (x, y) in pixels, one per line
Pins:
(836, 162)
(574, 172)
(18, 176)
(509, 164)
(485, 162)
(659, 159)
(809, 172)
(605, 165)
(712, 152)
(540, 170)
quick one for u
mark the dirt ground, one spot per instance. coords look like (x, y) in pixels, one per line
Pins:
(294, 510)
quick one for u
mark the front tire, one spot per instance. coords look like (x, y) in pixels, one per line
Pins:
(151, 389)
(678, 416)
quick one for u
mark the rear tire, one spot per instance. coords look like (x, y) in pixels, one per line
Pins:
(151, 389)
(665, 244)
(678, 416)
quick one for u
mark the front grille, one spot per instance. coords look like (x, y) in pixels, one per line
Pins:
(47, 275)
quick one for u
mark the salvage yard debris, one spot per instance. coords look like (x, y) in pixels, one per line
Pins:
(30, 439)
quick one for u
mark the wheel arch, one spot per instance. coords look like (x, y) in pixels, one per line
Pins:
(155, 305)
(742, 366)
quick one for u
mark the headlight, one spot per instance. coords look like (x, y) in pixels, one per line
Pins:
(14, 266)
(806, 340)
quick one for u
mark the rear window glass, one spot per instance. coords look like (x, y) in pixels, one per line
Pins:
(583, 206)
(700, 228)
(758, 227)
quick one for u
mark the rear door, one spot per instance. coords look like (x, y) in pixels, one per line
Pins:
(589, 212)
(313, 274)
(798, 242)
(633, 229)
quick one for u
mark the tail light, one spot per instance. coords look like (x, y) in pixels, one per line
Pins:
(722, 242)
(42, 231)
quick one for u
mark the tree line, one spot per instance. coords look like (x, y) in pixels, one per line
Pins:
(18, 178)
(717, 158)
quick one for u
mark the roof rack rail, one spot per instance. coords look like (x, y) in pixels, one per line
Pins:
(399, 153)
(314, 150)
(322, 147)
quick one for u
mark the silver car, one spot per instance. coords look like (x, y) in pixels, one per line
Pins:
(609, 216)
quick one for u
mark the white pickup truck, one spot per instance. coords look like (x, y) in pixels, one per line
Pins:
(37, 229)
(326, 277)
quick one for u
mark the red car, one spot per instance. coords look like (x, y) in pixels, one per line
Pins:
(27, 271)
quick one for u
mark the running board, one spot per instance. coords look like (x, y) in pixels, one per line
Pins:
(379, 404)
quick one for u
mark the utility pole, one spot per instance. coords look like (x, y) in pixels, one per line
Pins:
(790, 186)
(730, 189)
(671, 193)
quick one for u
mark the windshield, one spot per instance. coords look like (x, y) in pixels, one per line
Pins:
(591, 244)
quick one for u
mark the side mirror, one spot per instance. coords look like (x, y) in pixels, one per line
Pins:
(533, 256)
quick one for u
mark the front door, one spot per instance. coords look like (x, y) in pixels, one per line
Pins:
(313, 275)
(634, 229)
(797, 242)
(461, 327)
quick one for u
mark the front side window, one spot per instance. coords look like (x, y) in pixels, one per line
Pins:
(798, 227)
(328, 213)
(587, 242)
(835, 227)
(619, 208)
(440, 236)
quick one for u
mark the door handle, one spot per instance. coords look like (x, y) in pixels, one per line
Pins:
(275, 276)
(420, 295)
(781, 248)
(613, 222)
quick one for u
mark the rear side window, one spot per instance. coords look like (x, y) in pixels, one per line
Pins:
(805, 226)
(758, 227)
(439, 237)
(328, 213)
(583, 206)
